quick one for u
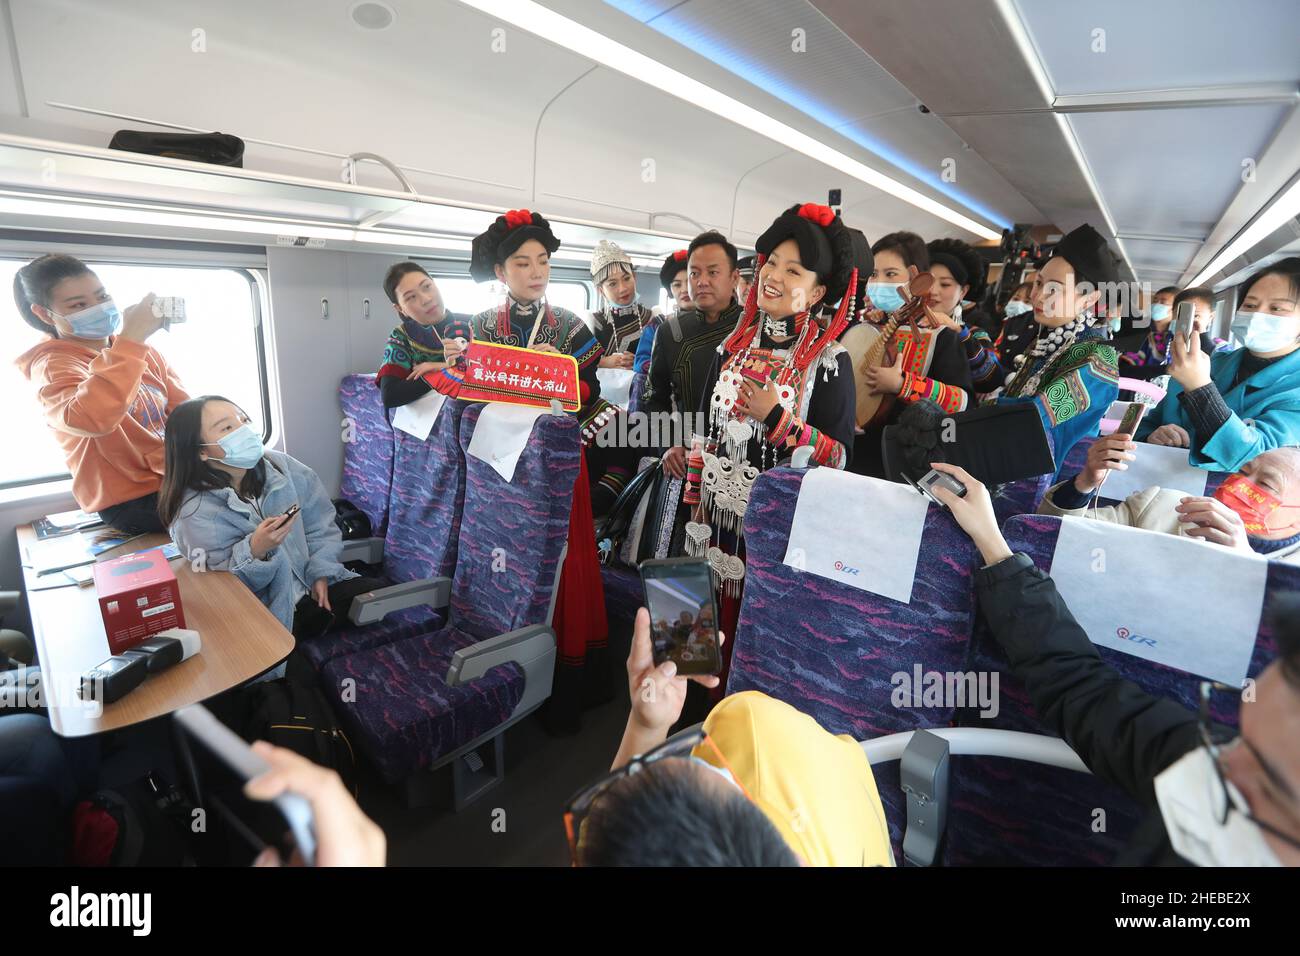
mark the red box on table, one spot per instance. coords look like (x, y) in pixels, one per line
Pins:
(138, 597)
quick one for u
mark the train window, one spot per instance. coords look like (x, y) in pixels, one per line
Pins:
(217, 350)
(467, 297)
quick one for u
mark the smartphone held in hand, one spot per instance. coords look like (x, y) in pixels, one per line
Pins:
(169, 308)
(679, 594)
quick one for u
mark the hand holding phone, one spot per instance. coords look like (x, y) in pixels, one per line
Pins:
(236, 756)
(169, 308)
(288, 515)
(1185, 323)
(657, 696)
(680, 596)
(935, 478)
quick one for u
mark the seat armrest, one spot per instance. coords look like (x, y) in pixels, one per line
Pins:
(982, 741)
(369, 550)
(377, 604)
(531, 647)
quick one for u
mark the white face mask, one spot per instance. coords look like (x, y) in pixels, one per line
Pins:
(1186, 792)
(720, 771)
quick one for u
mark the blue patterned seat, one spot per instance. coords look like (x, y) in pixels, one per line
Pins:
(1021, 814)
(406, 716)
(428, 493)
(623, 591)
(368, 458)
(1020, 497)
(832, 650)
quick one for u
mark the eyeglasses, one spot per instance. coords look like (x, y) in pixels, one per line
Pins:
(679, 745)
(1218, 742)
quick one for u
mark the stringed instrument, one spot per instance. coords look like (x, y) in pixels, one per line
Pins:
(871, 346)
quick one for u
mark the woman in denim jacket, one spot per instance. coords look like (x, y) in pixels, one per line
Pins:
(225, 498)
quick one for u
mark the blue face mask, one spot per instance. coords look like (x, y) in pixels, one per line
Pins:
(1160, 312)
(1018, 308)
(243, 448)
(1265, 332)
(884, 296)
(98, 322)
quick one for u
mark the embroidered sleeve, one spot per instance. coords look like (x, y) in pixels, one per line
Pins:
(916, 387)
(788, 431)
(593, 416)
(1085, 368)
(583, 346)
(397, 358)
(986, 371)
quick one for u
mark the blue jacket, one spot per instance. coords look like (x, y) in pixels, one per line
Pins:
(217, 527)
(645, 345)
(1265, 412)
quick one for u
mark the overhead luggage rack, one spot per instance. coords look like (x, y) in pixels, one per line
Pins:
(140, 195)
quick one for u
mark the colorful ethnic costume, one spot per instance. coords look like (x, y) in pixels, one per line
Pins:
(1071, 373)
(934, 368)
(815, 393)
(579, 621)
(619, 328)
(685, 348)
(674, 265)
(1072, 379)
(409, 345)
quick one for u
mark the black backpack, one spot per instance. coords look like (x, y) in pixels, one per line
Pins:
(220, 149)
(297, 716)
(352, 521)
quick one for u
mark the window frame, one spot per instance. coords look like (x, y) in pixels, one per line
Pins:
(258, 294)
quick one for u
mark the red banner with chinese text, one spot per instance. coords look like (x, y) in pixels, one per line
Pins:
(505, 373)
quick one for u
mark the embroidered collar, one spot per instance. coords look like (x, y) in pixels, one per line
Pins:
(423, 335)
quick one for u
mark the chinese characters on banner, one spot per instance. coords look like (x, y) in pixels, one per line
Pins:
(504, 373)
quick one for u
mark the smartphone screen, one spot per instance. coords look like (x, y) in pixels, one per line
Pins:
(1132, 419)
(1184, 322)
(679, 595)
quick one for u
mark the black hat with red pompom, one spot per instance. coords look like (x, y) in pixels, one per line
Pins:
(825, 244)
(502, 239)
(675, 263)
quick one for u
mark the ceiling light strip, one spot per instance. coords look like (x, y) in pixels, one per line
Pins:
(1286, 206)
(573, 36)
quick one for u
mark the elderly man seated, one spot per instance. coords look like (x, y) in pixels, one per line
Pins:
(1256, 509)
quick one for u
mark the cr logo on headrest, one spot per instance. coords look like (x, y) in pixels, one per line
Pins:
(841, 566)
(1124, 634)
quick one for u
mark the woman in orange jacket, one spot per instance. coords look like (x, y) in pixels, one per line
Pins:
(106, 394)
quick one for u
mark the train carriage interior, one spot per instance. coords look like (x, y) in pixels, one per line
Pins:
(928, 371)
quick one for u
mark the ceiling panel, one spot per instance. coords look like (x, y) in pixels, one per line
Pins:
(1162, 44)
(934, 145)
(1173, 172)
(1149, 255)
(793, 178)
(593, 147)
(929, 46)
